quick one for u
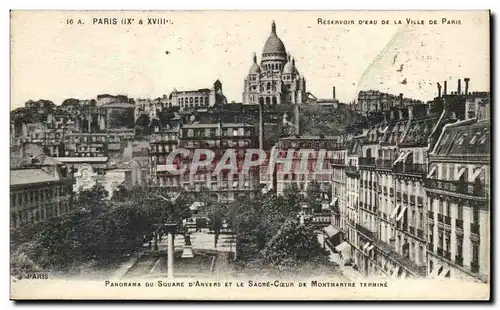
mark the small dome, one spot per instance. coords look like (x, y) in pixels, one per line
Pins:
(273, 44)
(255, 69)
(289, 68)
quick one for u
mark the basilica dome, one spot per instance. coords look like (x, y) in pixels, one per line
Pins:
(274, 45)
(255, 69)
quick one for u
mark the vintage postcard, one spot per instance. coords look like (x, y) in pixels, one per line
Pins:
(250, 155)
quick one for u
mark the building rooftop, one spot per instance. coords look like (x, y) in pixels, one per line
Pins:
(464, 139)
(29, 176)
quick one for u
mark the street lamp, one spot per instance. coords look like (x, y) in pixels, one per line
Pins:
(170, 228)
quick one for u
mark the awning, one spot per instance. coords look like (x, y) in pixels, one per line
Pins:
(435, 271)
(444, 272)
(476, 174)
(403, 158)
(393, 214)
(334, 201)
(401, 213)
(396, 271)
(433, 169)
(460, 173)
(344, 246)
(403, 275)
(330, 231)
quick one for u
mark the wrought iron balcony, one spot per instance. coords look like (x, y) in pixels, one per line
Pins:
(414, 169)
(352, 171)
(365, 231)
(464, 188)
(337, 162)
(367, 161)
(384, 164)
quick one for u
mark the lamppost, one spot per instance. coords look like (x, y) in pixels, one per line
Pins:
(170, 228)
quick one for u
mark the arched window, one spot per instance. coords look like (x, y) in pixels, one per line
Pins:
(268, 86)
(196, 100)
(201, 100)
(275, 101)
(190, 99)
(268, 101)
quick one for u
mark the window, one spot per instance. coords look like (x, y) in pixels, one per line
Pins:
(460, 212)
(191, 100)
(475, 216)
(473, 140)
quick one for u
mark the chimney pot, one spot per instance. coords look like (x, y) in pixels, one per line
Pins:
(439, 90)
(333, 92)
(459, 87)
(466, 80)
(445, 88)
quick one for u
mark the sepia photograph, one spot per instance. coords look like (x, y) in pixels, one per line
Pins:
(250, 155)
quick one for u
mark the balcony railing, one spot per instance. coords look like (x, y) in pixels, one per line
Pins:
(337, 161)
(474, 228)
(365, 231)
(459, 260)
(383, 164)
(352, 171)
(464, 188)
(409, 168)
(459, 224)
(367, 161)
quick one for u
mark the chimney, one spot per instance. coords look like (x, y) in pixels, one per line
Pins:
(401, 99)
(459, 87)
(466, 80)
(261, 127)
(439, 90)
(333, 92)
(445, 88)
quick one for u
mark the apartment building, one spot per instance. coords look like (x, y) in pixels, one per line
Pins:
(458, 190)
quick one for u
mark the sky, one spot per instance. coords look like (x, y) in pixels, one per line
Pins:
(54, 60)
